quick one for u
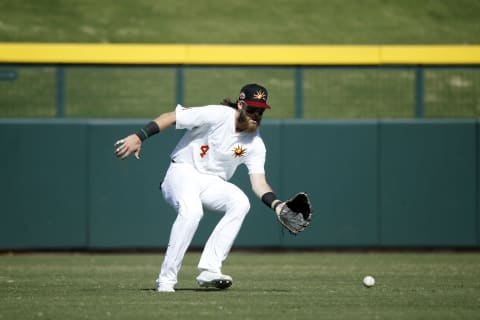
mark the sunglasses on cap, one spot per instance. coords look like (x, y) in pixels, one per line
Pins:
(253, 110)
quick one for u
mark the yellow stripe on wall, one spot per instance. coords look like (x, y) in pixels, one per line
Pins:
(237, 54)
(92, 53)
(281, 54)
(430, 54)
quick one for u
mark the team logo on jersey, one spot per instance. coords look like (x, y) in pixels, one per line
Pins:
(260, 95)
(239, 151)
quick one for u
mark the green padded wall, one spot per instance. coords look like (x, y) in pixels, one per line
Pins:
(43, 170)
(336, 163)
(396, 183)
(429, 183)
(126, 208)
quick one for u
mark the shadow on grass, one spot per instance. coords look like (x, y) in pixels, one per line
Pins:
(212, 290)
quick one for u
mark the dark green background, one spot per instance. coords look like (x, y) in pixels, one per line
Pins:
(385, 183)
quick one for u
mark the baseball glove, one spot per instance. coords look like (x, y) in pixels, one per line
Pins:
(296, 214)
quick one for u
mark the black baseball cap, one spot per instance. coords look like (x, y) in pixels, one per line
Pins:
(254, 95)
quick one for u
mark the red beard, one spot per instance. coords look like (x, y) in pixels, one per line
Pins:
(244, 124)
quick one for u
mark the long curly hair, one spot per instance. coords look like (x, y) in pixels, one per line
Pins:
(229, 103)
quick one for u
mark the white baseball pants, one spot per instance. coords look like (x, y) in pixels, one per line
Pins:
(189, 191)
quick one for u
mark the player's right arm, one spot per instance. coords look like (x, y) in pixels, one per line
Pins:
(133, 143)
(165, 120)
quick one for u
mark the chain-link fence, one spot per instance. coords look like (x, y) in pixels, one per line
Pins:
(346, 92)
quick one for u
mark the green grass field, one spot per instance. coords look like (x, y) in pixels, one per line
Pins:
(142, 92)
(147, 92)
(281, 285)
(248, 21)
(308, 285)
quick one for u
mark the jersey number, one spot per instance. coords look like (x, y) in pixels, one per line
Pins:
(204, 150)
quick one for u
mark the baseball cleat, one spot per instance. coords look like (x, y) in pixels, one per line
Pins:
(165, 287)
(208, 279)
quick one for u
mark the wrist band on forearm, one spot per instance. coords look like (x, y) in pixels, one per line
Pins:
(149, 130)
(271, 200)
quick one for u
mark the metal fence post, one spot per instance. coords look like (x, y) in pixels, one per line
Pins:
(8, 75)
(60, 91)
(299, 92)
(419, 87)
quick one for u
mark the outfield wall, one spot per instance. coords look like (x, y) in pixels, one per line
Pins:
(379, 183)
(194, 54)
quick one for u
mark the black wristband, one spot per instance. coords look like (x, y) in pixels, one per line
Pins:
(271, 200)
(149, 130)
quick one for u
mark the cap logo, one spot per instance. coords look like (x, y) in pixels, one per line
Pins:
(242, 96)
(260, 95)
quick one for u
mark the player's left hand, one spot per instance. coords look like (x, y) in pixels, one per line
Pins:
(124, 147)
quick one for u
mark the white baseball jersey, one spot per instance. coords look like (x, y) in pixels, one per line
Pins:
(213, 146)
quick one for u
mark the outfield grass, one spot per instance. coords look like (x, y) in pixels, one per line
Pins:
(312, 285)
(248, 21)
(147, 92)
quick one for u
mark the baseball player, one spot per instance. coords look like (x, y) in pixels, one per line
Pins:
(218, 139)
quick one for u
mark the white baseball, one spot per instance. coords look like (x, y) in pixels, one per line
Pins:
(369, 281)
